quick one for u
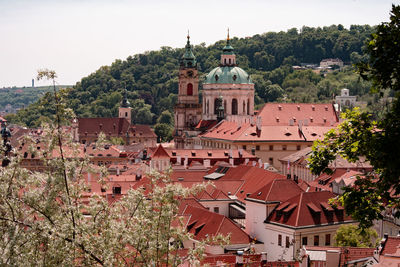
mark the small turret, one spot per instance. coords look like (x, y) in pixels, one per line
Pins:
(125, 110)
(188, 59)
(228, 57)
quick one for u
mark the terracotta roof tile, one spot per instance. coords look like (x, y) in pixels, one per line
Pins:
(308, 211)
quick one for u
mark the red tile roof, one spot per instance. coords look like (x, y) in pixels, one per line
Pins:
(309, 211)
(204, 223)
(315, 114)
(277, 190)
(160, 153)
(391, 246)
(109, 126)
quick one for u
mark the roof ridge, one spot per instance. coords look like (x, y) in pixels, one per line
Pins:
(298, 211)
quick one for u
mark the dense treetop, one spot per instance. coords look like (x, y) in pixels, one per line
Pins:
(152, 77)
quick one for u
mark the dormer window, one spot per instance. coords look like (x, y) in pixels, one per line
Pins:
(216, 77)
(234, 77)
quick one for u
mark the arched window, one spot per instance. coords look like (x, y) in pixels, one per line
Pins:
(216, 100)
(244, 107)
(225, 105)
(234, 106)
(229, 61)
(248, 106)
(190, 89)
(208, 107)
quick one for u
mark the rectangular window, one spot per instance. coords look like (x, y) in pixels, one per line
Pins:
(244, 147)
(216, 209)
(316, 240)
(271, 147)
(279, 240)
(257, 147)
(287, 242)
(271, 161)
(298, 147)
(284, 147)
(304, 241)
(327, 239)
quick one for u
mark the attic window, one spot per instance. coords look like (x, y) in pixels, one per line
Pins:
(253, 134)
(173, 153)
(314, 134)
(290, 208)
(324, 119)
(298, 107)
(288, 134)
(326, 206)
(216, 77)
(326, 108)
(209, 153)
(294, 119)
(234, 77)
(198, 229)
(277, 119)
(190, 226)
(313, 108)
(311, 119)
(226, 153)
(279, 107)
(180, 179)
(109, 155)
(314, 208)
(117, 190)
(259, 193)
(99, 155)
(193, 153)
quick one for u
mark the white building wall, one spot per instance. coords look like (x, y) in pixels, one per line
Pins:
(256, 213)
(223, 206)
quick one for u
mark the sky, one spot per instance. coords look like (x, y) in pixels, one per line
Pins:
(77, 37)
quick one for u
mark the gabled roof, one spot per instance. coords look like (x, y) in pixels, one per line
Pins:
(391, 246)
(310, 210)
(160, 153)
(204, 223)
(109, 126)
(277, 190)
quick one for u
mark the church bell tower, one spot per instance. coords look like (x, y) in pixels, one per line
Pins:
(188, 108)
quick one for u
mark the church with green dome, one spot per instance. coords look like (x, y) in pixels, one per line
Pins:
(227, 92)
(231, 84)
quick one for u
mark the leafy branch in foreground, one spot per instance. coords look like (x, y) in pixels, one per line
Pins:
(375, 141)
(48, 218)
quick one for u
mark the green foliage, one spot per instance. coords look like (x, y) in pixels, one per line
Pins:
(164, 132)
(166, 117)
(359, 136)
(117, 141)
(352, 236)
(152, 77)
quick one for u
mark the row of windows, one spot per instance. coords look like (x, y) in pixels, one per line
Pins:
(234, 107)
(271, 147)
(304, 240)
(216, 145)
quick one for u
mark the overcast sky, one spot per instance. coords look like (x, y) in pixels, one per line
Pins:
(75, 38)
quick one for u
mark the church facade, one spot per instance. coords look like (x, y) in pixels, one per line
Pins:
(227, 93)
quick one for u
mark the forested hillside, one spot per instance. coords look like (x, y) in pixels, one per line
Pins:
(152, 77)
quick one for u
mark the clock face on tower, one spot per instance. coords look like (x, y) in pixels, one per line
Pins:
(190, 73)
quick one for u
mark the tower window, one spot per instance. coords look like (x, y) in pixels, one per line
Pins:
(126, 114)
(216, 100)
(229, 61)
(234, 106)
(216, 77)
(190, 89)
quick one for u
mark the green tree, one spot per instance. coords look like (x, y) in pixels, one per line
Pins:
(351, 236)
(360, 137)
(164, 131)
(166, 117)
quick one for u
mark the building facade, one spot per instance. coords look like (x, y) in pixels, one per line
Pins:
(188, 109)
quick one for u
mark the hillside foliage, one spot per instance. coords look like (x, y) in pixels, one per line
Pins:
(152, 77)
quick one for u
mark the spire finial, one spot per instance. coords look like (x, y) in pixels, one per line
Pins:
(188, 36)
(228, 35)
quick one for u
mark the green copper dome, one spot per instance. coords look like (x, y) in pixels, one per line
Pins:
(228, 74)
